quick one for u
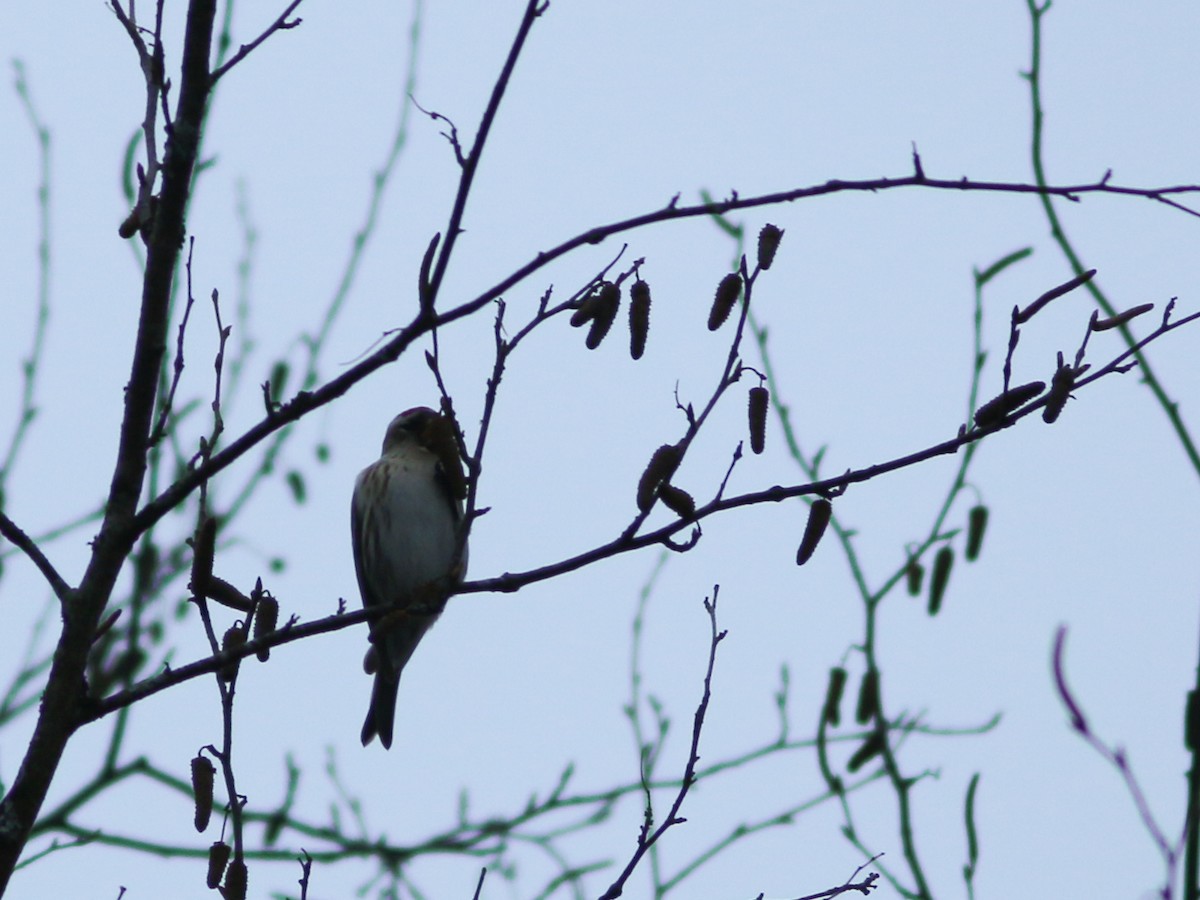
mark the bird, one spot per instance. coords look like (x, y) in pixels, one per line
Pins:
(405, 517)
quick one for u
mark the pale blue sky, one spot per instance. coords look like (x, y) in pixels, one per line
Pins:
(615, 107)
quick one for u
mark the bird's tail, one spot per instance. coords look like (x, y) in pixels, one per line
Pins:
(381, 715)
(399, 638)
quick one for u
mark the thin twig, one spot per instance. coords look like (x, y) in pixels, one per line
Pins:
(1118, 759)
(281, 23)
(25, 544)
(647, 839)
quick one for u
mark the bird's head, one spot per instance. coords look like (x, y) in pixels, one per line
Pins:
(431, 431)
(411, 425)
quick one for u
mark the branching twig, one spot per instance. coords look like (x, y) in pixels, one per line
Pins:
(1117, 758)
(281, 23)
(1171, 408)
(32, 364)
(167, 405)
(627, 542)
(646, 838)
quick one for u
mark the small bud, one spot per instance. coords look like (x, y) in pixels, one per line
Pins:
(236, 879)
(130, 224)
(607, 304)
(870, 748)
(639, 318)
(1121, 318)
(995, 410)
(728, 292)
(203, 774)
(914, 574)
(818, 518)
(1060, 391)
(833, 696)
(678, 501)
(279, 377)
(759, 398)
(218, 856)
(295, 482)
(943, 562)
(661, 467)
(425, 289)
(266, 618)
(768, 243)
(868, 698)
(977, 520)
(234, 638)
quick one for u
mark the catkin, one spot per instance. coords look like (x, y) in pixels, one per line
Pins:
(727, 294)
(218, 856)
(266, 618)
(977, 520)
(943, 562)
(203, 775)
(994, 411)
(833, 696)
(759, 399)
(661, 467)
(818, 518)
(639, 318)
(768, 243)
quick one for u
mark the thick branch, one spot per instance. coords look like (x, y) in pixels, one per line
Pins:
(66, 685)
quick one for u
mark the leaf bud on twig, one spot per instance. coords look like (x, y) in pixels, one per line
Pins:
(130, 224)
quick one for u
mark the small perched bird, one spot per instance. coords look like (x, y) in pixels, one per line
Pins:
(404, 520)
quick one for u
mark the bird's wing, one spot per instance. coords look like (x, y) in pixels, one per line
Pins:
(356, 536)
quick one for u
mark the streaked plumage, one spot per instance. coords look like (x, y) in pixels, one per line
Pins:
(404, 522)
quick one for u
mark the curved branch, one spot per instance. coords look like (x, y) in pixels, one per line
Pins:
(25, 543)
